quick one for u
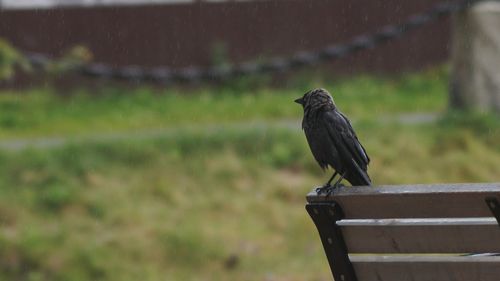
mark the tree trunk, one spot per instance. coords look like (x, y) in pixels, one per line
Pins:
(475, 80)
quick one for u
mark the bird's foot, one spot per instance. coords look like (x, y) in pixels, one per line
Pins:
(325, 189)
(328, 189)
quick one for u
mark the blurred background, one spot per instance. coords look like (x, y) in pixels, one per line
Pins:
(159, 140)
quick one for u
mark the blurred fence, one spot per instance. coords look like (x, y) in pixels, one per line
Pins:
(41, 4)
(183, 35)
(224, 71)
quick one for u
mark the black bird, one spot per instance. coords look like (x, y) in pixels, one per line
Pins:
(332, 139)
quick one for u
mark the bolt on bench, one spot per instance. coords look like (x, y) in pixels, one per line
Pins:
(447, 232)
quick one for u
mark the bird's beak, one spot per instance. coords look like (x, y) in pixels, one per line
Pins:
(299, 101)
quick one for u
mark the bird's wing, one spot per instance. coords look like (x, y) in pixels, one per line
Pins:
(359, 146)
(343, 134)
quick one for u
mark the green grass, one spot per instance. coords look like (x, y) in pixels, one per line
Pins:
(182, 206)
(81, 111)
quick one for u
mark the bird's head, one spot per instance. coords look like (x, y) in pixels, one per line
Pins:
(317, 98)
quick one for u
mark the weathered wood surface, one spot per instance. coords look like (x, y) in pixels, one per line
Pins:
(471, 235)
(426, 268)
(412, 201)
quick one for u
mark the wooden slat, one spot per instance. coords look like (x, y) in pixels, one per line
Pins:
(426, 258)
(426, 268)
(468, 235)
(412, 201)
(416, 222)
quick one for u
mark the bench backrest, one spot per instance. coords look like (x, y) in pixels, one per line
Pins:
(417, 233)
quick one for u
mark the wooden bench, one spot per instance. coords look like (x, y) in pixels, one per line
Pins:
(414, 233)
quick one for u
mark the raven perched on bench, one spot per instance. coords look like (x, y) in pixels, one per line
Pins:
(332, 140)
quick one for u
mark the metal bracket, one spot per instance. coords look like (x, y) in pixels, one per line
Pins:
(494, 206)
(325, 216)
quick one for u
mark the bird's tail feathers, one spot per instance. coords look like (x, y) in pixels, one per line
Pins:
(361, 177)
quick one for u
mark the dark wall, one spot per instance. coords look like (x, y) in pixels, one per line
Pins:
(182, 35)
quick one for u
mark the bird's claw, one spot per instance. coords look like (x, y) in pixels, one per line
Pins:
(328, 189)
